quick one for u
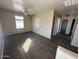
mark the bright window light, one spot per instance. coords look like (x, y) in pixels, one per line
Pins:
(27, 44)
(19, 22)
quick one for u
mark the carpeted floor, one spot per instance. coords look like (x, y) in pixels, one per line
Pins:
(40, 47)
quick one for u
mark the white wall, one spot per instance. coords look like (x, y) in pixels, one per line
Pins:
(42, 23)
(1, 40)
(75, 37)
(27, 23)
(8, 21)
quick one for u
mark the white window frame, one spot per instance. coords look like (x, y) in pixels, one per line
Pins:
(19, 20)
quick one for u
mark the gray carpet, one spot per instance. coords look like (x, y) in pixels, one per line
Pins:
(40, 48)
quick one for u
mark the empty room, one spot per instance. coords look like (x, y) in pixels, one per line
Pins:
(38, 29)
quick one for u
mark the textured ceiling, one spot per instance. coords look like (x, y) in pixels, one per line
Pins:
(34, 6)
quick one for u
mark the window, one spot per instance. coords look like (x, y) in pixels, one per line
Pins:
(19, 22)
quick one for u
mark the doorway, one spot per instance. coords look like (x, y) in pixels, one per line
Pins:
(73, 22)
(64, 26)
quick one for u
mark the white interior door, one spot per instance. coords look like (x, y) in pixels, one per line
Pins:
(1, 41)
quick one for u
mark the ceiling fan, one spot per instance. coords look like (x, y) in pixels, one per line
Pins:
(70, 2)
(70, 5)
